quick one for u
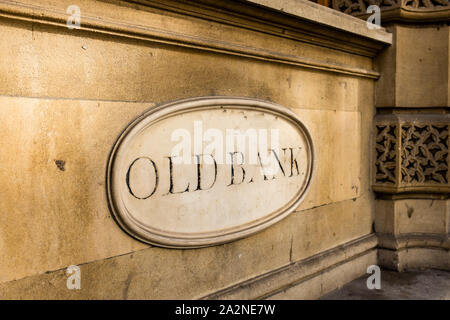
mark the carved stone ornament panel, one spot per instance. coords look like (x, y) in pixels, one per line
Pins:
(359, 7)
(205, 171)
(412, 153)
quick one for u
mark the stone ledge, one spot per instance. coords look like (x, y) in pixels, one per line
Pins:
(320, 14)
(293, 274)
(118, 26)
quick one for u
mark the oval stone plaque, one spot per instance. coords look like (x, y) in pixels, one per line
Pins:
(205, 171)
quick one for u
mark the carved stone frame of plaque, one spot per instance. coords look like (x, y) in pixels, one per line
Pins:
(171, 223)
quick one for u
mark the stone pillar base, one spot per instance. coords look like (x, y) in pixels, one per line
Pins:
(414, 258)
(413, 234)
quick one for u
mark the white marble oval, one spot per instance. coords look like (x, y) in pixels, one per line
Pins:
(174, 179)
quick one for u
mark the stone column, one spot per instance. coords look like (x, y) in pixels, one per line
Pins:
(411, 133)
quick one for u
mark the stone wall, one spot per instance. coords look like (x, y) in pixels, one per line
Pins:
(67, 94)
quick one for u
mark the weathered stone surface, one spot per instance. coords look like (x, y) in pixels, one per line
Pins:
(405, 216)
(66, 95)
(75, 65)
(339, 153)
(73, 201)
(413, 233)
(52, 217)
(414, 258)
(329, 280)
(194, 273)
(415, 66)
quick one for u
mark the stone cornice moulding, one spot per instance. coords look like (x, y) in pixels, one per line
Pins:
(317, 13)
(299, 20)
(57, 17)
